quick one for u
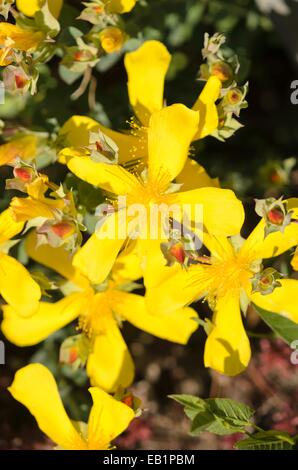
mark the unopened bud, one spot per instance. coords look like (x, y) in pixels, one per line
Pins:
(98, 9)
(276, 216)
(222, 71)
(276, 177)
(177, 251)
(112, 39)
(16, 80)
(25, 174)
(128, 400)
(83, 56)
(21, 81)
(266, 281)
(275, 213)
(74, 351)
(234, 96)
(174, 252)
(63, 229)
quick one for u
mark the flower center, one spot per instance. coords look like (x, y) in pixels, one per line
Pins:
(226, 275)
(150, 193)
(98, 309)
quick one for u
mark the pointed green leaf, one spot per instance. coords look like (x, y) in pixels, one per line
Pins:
(67, 75)
(266, 440)
(192, 405)
(282, 326)
(220, 416)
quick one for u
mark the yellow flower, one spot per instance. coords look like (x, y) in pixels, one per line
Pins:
(99, 310)
(225, 280)
(21, 147)
(30, 7)
(146, 68)
(34, 386)
(12, 37)
(112, 39)
(36, 204)
(16, 285)
(170, 133)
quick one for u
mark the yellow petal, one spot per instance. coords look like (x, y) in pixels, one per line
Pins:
(6, 56)
(176, 326)
(22, 147)
(34, 386)
(49, 318)
(170, 133)
(219, 247)
(259, 247)
(194, 176)
(153, 262)
(112, 178)
(146, 69)
(283, 300)
(120, 6)
(223, 213)
(205, 104)
(58, 259)
(227, 348)
(127, 265)
(25, 208)
(110, 364)
(17, 286)
(8, 226)
(293, 206)
(96, 258)
(108, 418)
(76, 131)
(179, 289)
(67, 153)
(23, 40)
(38, 188)
(30, 7)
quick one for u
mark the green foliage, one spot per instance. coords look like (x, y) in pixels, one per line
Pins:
(220, 416)
(282, 326)
(46, 22)
(266, 440)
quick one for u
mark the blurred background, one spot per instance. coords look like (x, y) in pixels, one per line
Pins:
(258, 161)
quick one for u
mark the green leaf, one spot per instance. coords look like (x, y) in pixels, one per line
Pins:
(234, 412)
(75, 32)
(220, 416)
(282, 326)
(266, 440)
(67, 75)
(192, 405)
(46, 22)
